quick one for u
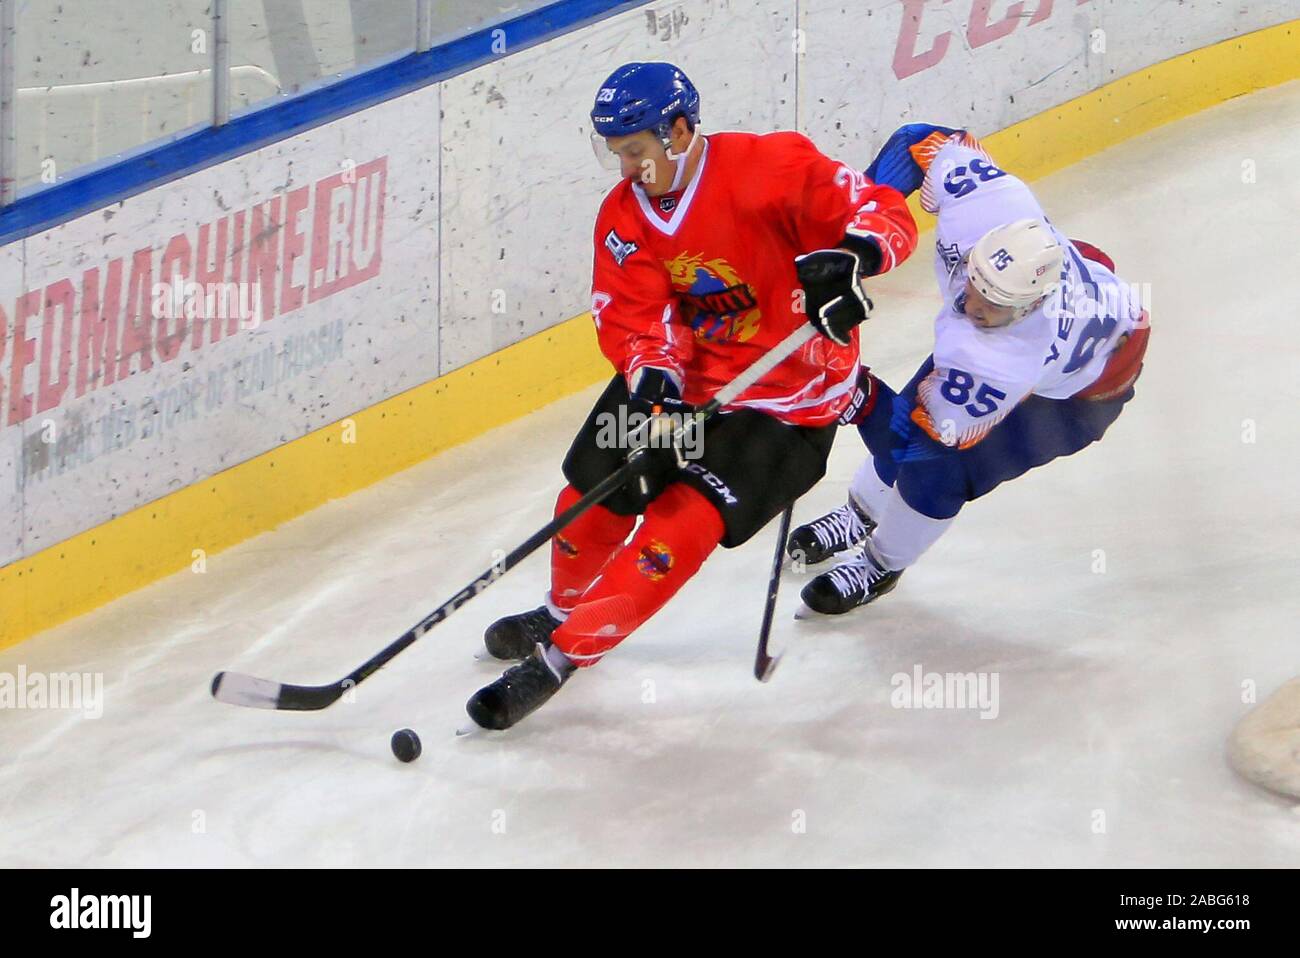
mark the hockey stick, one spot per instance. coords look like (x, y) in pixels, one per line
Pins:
(764, 664)
(236, 688)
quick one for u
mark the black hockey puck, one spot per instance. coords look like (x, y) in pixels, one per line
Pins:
(406, 745)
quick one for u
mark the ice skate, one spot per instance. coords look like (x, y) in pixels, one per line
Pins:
(522, 689)
(857, 581)
(844, 528)
(515, 636)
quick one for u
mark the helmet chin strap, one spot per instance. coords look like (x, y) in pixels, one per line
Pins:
(679, 159)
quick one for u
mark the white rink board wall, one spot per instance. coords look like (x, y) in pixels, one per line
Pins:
(870, 66)
(333, 231)
(516, 158)
(372, 282)
(521, 185)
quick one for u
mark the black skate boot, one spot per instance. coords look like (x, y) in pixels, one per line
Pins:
(845, 528)
(514, 636)
(522, 689)
(856, 581)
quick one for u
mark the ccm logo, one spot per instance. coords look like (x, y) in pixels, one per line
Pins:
(718, 486)
(979, 30)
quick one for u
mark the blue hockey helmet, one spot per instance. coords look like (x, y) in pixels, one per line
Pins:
(645, 96)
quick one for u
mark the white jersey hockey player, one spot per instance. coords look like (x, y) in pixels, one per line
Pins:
(1037, 347)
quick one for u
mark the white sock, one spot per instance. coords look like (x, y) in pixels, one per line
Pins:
(903, 534)
(868, 490)
(556, 612)
(558, 661)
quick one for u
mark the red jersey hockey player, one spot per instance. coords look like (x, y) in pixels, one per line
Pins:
(709, 252)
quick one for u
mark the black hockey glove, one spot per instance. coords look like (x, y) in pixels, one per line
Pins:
(655, 411)
(833, 298)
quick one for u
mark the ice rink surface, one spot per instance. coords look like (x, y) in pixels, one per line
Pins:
(1117, 688)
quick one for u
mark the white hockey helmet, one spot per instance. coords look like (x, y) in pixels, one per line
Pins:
(1016, 265)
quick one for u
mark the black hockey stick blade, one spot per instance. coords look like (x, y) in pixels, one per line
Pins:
(764, 663)
(236, 688)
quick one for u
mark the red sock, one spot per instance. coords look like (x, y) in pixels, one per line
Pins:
(681, 528)
(581, 550)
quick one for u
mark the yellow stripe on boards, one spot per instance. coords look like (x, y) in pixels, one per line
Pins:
(157, 539)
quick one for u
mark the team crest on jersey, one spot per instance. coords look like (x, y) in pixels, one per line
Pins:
(668, 203)
(620, 248)
(718, 304)
(655, 561)
(951, 255)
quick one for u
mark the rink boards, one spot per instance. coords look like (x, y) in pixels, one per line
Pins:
(399, 280)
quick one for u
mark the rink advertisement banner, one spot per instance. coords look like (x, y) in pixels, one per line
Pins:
(156, 342)
(868, 67)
